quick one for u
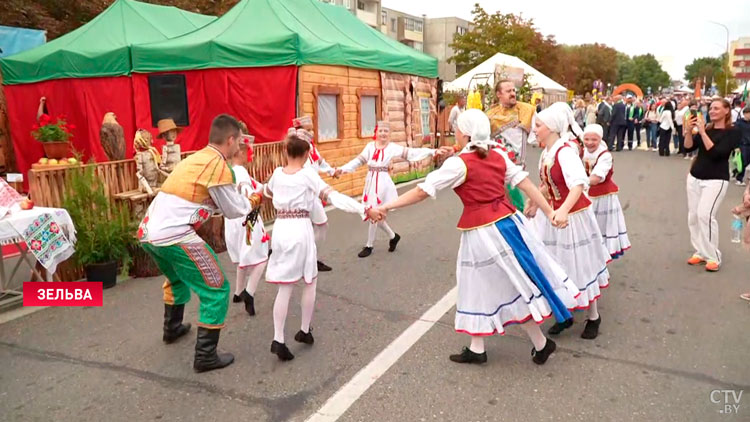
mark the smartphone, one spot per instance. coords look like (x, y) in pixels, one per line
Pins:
(694, 113)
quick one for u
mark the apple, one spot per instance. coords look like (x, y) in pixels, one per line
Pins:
(72, 161)
(27, 204)
(43, 160)
(52, 162)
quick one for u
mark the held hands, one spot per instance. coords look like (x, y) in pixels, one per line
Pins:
(559, 218)
(530, 210)
(255, 200)
(444, 151)
(376, 214)
(337, 173)
(43, 100)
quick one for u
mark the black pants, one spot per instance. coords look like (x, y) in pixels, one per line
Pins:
(665, 136)
(620, 131)
(638, 133)
(680, 140)
(631, 129)
(745, 151)
(607, 138)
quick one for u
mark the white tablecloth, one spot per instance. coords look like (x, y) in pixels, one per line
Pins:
(18, 224)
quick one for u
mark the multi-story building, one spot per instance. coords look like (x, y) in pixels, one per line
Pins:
(739, 59)
(403, 27)
(438, 37)
(367, 11)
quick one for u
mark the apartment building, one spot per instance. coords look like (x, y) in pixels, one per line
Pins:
(367, 11)
(739, 59)
(403, 27)
(438, 36)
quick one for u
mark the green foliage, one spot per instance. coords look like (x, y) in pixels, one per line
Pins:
(644, 71)
(712, 69)
(506, 33)
(585, 64)
(103, 231)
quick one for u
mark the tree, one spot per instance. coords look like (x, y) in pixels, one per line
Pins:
(712, 70)
(644, 71)
(506, 33)
(585, 64)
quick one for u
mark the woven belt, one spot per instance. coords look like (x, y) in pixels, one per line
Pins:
(378, 169)
(286, 214)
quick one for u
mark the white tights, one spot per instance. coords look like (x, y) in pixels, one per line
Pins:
(594, 310)
(281, 308)
(532, 330)
(248, 278)
(372, 231)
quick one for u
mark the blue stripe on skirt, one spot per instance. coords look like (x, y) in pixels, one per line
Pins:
(509, 230)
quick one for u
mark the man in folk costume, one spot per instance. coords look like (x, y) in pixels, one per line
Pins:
(511, 122)
(199, 185)
(317, 162)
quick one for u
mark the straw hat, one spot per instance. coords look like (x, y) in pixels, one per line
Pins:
(165, 125)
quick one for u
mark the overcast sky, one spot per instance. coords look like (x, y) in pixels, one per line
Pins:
(675, 31)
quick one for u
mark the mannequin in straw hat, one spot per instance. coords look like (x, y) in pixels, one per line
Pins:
(171, 151)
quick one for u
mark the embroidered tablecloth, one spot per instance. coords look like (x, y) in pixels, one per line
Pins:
(48, 232)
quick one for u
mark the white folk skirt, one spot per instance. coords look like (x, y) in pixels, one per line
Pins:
(494, 290)
(294, 255)
(579, 248)
(611, 220)
(239, 251)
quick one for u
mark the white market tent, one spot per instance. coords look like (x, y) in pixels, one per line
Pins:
(538, 80)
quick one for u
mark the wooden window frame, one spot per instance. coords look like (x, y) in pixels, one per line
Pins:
(329, 90)
(368, 92)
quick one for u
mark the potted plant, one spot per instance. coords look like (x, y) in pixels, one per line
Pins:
(104, 232)
(54, 135)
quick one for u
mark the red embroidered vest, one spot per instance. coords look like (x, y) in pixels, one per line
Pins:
(483, 191)
(606, 187)
(554, 181)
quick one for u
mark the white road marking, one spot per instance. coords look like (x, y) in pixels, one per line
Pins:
(343, 399)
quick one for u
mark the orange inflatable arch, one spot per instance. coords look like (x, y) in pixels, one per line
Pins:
(628, 87)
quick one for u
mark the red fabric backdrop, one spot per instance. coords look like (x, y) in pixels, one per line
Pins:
(262, 97)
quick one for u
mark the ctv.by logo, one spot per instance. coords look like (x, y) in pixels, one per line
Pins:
(729, 399)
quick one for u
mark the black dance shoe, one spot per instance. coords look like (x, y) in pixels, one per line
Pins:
(541, 356)
(249, 302)
(467, 356)
(365, 252)
(303, 337)
(236, 299)
(393, 243)
(280, 350)
(559, 328)
(592, 329)
(323, 267)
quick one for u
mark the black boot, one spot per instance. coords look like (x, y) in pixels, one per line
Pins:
(303, 337)
(236, 299)
(467, 356)
(365, 252)
(539, 357)
(280, 350)
(173, 326)
(323, 267)
(206, 358)
(558, 328)
(592, 329)
(249, 302)
(393, 243)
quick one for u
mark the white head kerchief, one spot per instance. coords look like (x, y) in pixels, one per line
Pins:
(474, 122)
(558, 118)
(595, 129)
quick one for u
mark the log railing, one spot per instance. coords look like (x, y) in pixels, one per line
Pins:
(47, 185)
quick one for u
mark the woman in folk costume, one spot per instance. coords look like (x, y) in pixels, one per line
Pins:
(317, 162)
(294, 189)
(247, 245)
(379, 187)
(505, 274)
(598, 162)
(578, 246)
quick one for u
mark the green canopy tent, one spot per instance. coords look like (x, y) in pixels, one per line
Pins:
(261, 33)
(102, 46)
(84, 74)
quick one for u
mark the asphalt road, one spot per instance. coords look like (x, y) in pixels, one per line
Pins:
(671, 334)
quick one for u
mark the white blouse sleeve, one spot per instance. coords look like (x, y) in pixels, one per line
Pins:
(572, 168)
(229, 201)
(324, 167)
(450, 175)
(359, 160)
(268, 187)
(413, 154)
(603, 165)
(338, 200)
(514, 174)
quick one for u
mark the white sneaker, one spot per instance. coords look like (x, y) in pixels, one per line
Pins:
(738, 183)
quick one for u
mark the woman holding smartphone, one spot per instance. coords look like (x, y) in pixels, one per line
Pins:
(708, 179)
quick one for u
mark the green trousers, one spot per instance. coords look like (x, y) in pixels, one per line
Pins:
(195, 267)
(516, 197)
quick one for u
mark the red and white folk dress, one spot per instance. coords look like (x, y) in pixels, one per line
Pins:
(494, 290)
(605, 201)
(579, 246)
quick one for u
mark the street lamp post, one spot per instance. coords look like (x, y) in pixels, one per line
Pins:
(726, 71)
